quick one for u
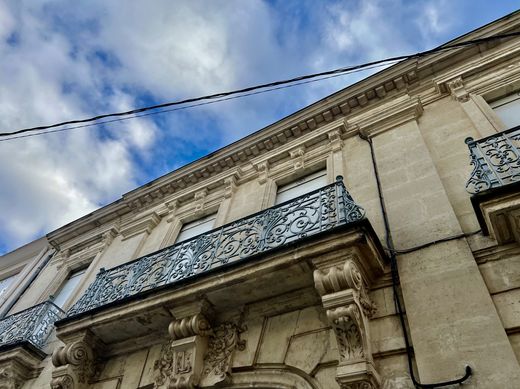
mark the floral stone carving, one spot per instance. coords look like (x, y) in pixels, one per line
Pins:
(221, 345)
(345, 298)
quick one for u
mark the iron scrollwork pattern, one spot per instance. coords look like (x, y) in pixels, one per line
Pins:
(32, 325)
(307, 215)
(495, 161)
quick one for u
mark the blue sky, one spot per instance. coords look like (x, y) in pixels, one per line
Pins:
(64, 60)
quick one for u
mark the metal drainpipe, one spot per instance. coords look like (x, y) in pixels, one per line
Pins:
(395, 283)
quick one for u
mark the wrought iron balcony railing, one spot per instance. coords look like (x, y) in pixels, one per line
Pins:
(495, 160)
(307, 215)
(30, 325)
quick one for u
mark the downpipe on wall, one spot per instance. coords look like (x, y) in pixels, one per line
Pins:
(395, 283)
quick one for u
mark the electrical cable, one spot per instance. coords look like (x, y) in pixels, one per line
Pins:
(190, 106)
(431, 243)
(395, 282)
(268, 85)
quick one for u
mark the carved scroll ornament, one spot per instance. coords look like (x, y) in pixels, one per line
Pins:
(345, 298)
(74, 366)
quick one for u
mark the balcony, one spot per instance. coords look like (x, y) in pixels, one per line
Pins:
(494, 184)
(31, 326)
(266, 231)
(495, 160)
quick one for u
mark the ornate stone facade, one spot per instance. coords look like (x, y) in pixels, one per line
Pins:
(299, 295)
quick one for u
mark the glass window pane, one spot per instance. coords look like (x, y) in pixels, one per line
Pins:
(5, 283)
(68, 287)
(197, 227)
(301, 186)
(508, 109)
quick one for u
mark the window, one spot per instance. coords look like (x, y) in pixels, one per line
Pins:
(301, 186)
(5, 283)
(68, 286)
(197, 227)
(508, 109)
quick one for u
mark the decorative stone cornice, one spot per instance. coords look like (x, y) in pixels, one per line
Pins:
(142, 224)
(169, 210)
(388, 116)
(476, 66)
(77, 253)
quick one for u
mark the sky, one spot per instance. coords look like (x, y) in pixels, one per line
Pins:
(63, 60)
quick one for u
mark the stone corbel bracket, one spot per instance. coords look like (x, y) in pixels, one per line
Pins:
(18, 365)
(76, 363)
(181, 361)
(343, 290)
(458, 90)
(199, 354)
(230, 185)
(262, 169)
(200, 200)
(298, 157)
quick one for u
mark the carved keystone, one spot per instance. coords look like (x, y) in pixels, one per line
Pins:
(344, 296)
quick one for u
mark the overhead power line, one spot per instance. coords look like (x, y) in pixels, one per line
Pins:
(150, 113)
(208, 99)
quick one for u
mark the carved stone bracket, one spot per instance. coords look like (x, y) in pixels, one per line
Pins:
(230, 186)
(200, 200)
(198, 355)
(458, 90)
(181, 361)
(335, 141)
(17, 366)
(263, 172)
(76, 362)
(298, 157)
(345, 298)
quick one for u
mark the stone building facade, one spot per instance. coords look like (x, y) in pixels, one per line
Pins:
(276, 262)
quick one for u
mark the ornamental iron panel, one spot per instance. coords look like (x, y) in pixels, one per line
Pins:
(32, 325)
(307, 215)
(495, 160)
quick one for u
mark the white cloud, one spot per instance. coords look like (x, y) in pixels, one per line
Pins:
(62, 60)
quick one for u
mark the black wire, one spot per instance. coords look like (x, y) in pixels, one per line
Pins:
(431, 243)
(271, 84)
(192, 105)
